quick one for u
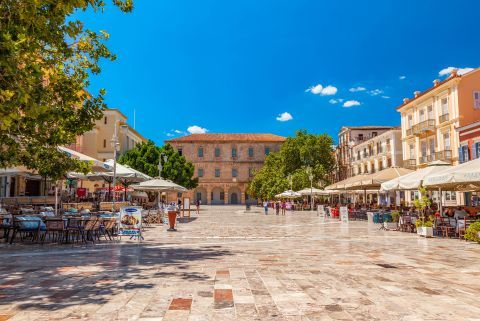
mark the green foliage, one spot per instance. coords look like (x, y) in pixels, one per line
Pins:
(46, 59)
(144, 158)
(422, 222)
(296, 154)
(472, 232)
(395, 216)
(423, 202)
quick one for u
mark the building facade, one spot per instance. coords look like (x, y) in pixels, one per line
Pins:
(97, 143)
(225, 163)
(349, 137)
(377, 153)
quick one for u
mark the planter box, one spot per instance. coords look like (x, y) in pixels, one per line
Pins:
(425, 231)
(390, 225)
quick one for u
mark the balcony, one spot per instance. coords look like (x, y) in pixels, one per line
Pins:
(423, 159)
(409, 131)
(443, 118)
(410, 163)
(424, 126)
(444, 155)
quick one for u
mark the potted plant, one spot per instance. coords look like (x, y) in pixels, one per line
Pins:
(473, 232)
(393, 223)
(424, 224)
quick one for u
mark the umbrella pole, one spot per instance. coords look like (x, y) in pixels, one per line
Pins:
(440, 209)
(56, 198)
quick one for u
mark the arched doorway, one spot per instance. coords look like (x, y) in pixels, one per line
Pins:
(200, 193)
(234, 196)
(217, 196)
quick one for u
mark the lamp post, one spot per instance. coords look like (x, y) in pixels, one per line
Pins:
(115, 145)
(160, 169)
(310, 177)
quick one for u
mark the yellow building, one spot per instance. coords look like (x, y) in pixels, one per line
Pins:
(97, 143)
(430, 118)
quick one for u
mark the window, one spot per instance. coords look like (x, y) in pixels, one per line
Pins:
(234, 172)
(105, 120)
(217, 172)
(234, 152)
(410, 121)
(444, 106)
(217, 152)
(432, 146)
(412, 151)
(360, 136)
(222, 196)
(424, 148)
(422, 115)
(374, 134)
(250, 172)
(463, 154)
(446, 141)
(358, 155)
(250, 152)
(104, 143)
(476, 100)
(450, 196)
(476, 150)
(430, 112)
(200, 172)
(200, 152)
(180, 152)
(267, 151)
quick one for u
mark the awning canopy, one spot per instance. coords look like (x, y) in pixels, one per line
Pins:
(342, 185)
(288, 194)
(160, 185)
(414, 180)
(463, 177)
(375, 180)
(97, 166)
(314, 191)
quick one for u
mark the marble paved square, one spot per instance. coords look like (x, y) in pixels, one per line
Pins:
(229, 265)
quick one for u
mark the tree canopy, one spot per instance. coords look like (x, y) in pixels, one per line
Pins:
(144, 158)
(46, 60)
(295, 156)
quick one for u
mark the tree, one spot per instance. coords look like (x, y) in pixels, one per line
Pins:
(46, 59)
(144, 158)
(295, 156)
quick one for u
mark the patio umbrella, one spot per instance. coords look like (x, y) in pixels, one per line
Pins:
(159, 185)
(315, 191)
(375, 180)
(463, 177)
(125, 174)
(288, 194)
(414, 180)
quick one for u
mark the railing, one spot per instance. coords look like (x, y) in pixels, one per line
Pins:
(409, 131)
(444, 155)
(410, 163)
(443, 118)
(424, 126)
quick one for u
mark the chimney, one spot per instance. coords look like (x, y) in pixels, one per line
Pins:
(436, 82)
(405, 100)
(416, 94)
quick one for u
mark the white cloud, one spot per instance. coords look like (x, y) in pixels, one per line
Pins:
(448, 70)
(402, 77)
(324, 91)
(170, 134)
(196, 130)
(333, 101)
(351, 103)
(355, 89)
(176, 131)
(341, 100)
(375, 92)
(386, 97)
(284, 117)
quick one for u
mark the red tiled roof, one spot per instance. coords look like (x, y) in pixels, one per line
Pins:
(271, 138)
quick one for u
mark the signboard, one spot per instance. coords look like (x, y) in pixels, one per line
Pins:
(321, 211)
(344, 214)
(130, 221)
(186, 206)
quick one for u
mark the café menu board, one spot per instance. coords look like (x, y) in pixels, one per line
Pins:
(344, 214)
(130, 221)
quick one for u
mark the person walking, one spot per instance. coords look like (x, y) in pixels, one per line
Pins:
(277, 207)
(284, 207)
(265, 206)
(197, 205)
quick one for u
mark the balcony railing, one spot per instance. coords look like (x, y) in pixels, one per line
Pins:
(410, 163)
(444, 155)
(424, 126)
(443, 118)
(410, 131)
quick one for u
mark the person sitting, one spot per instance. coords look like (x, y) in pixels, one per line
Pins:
(459, 213)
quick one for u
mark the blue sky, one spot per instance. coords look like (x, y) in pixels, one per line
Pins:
(251, 65)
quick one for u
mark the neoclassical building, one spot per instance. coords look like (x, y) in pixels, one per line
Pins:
(225, 163)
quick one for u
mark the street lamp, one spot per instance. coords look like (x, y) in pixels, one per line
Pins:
(290, 180)
(115, 145)
(160, 166)
(310, 177)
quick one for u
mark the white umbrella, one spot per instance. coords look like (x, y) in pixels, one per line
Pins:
(97, 166)
(288, 194)
(125, 171)
(463, 177)
(414, 180)
(307, 191)
(159, 185)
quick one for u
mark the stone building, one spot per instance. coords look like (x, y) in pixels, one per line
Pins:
(225, 163)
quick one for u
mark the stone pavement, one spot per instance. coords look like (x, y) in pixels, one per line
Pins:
(228, 265)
